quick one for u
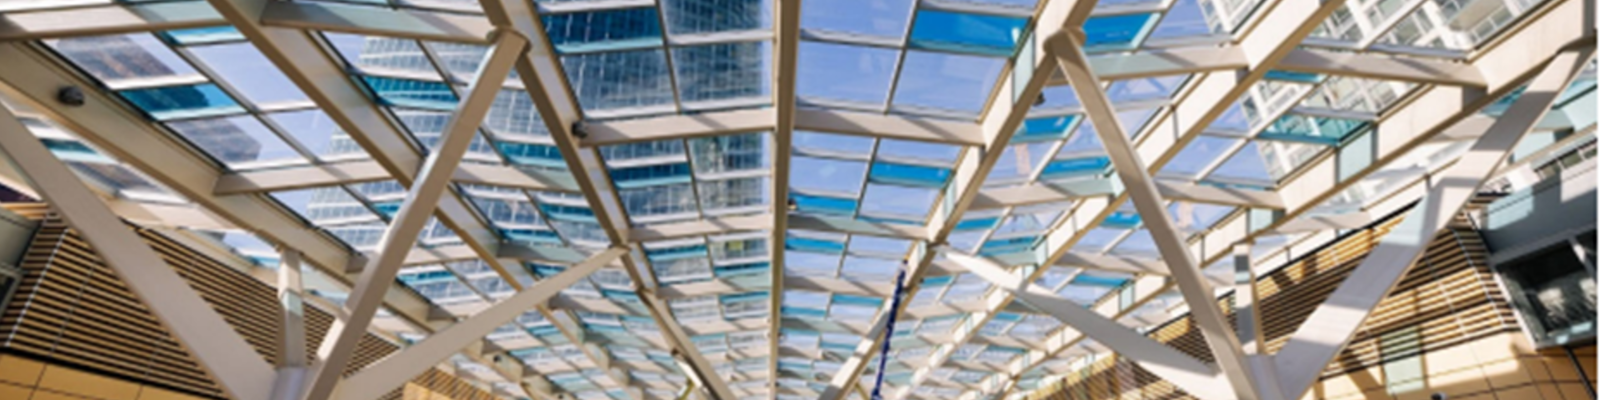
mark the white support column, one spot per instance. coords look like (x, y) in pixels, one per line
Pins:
(239, 370)
(1326, 332)
(1246, 304)
(292, 331)
(1141, 189)
(382, 377)
(422, 198)
(1008, 107)
(785, 59)
(542, 75)
(1190, 374)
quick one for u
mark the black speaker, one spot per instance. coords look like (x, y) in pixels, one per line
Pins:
(70, 95)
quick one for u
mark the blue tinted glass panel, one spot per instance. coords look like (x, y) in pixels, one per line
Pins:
(705, 16)
(532, 154)
(977, 224)
(883, 18)
(1116, 32)
(1075, 167)
(1043, 129)
(1121, 220)
(989, 35)
(648, 175)
(175, 102)
(411, 93)
(1101, 281)
(908, 175)
(843, 72)
(824, 205)
(946, 81)
(1314, 130)
(725, 71)
(1004, 246)
(606, 30)
(204, 35)
(813, 245)
(605, 81)
(1293, 76)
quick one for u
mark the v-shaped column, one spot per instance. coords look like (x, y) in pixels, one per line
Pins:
(422, 198)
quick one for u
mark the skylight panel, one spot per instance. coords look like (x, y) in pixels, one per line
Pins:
(1117, 32)
(857, 75)
(958, 32)
(239, 142)
(318, 134)
(724, 74)
(939, 82)
(882, 18)
(1196, 156)
(248, 72)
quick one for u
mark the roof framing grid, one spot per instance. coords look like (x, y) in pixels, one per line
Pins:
(1506, 63)
(325, 84)
(541, 73)
(239, 371)
(1008, 106)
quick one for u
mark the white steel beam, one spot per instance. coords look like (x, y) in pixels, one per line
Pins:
(1329, 328)
(1192, 375)
(292, 361)
(677, 127)
(107, 20)
(1022, 83)
(1506, 62)
(1203, 308)
(239, 370)
(32, 79)
(351, 172)
(369, 20)
(546, 83)
(1041, 193)
(422, 198)
(384, 376)
(786, 30)
(1376, 66)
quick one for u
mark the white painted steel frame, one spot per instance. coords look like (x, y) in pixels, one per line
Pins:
(239, 370)
(1495, 80)
(422, 198)
(543, 77)
(1152, 208)
(1332, 325)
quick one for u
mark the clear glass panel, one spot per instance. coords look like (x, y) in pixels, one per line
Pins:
(247, 71)
(857, 74)
(318, 133)
(946, 81)
(885, 18)
(629, 79)
(122, 57)
(722, 72)
(238, 142)
(707, 16)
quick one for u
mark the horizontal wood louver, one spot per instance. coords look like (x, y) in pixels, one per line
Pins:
(1447, 298)
(73, 309)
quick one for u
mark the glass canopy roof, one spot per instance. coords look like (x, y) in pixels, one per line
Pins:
(873, 171)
